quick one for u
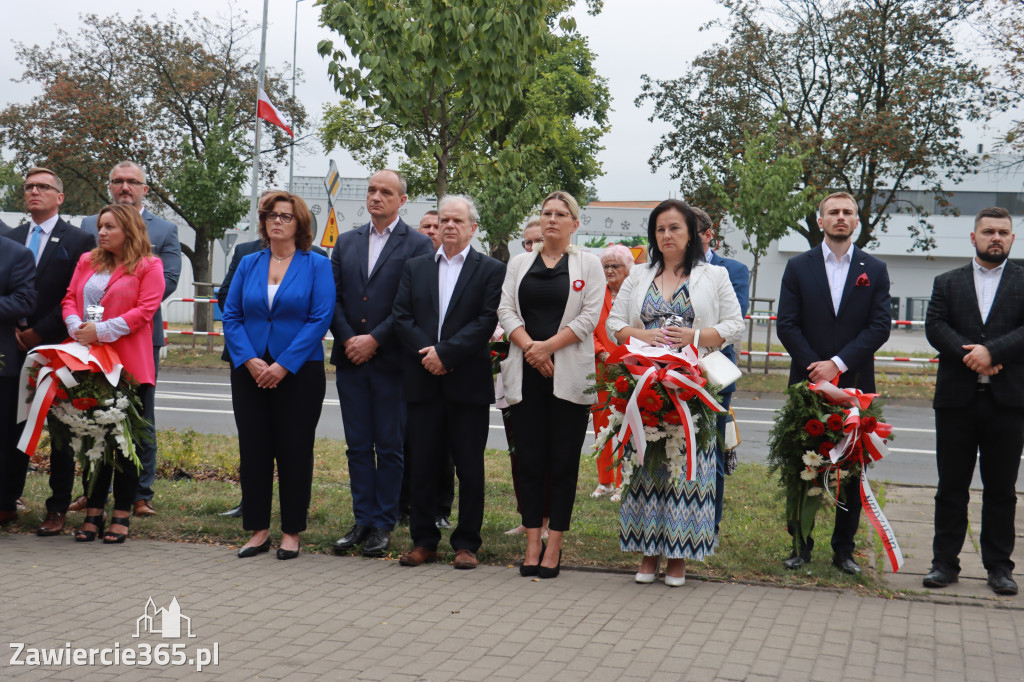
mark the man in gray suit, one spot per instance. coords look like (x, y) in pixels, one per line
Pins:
(128, 187)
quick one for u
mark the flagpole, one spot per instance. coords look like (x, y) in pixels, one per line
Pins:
(295, 47)
(254, 198)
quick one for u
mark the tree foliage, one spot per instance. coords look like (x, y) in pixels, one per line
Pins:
(874, 90)
(1003, 25)
(501, 100)
(135, 89)
(766, 200)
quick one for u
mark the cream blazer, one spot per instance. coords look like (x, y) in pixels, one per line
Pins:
(711, 294)
(574, 364)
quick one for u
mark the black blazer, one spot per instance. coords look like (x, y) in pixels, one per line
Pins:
(810, 329)
(365, 301)
(17, 300)
(66, 245)
(469, 322)
(954, 320)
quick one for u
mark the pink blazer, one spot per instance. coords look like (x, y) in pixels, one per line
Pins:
(135, 298)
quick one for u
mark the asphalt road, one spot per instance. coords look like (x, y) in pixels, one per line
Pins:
(202, 401)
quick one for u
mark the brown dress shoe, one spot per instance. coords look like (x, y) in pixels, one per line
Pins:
(7, 517)
(417, 556)
(53, 525)
(144, 508)
(79, 504)
(464, 559)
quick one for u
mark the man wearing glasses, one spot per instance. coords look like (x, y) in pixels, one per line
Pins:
(56, 247)
(128, 187)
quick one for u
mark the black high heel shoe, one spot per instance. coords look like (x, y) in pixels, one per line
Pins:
(111, 538)
(90, 535)
(253, 550)
(285, 554)
(545, 572)
(531, 570)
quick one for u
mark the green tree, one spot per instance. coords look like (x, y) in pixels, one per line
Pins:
(875, 90)
(1003, 26)
(766, 200)
(134, 89)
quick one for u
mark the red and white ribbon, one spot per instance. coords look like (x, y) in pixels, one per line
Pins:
(678, 374)
(57, 363)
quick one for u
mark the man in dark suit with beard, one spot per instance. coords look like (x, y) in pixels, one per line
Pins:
(976, 322)
(445, 313)
(56, 246)
(833, 315)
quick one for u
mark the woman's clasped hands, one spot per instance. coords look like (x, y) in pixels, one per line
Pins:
(265, 376)
(538, 354)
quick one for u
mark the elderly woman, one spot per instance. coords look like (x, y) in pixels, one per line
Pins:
(660, 516)
(550, 303)
(279, 307)
(616, 261)
(127, 282)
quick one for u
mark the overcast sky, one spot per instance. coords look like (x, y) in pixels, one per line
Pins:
(656, 37)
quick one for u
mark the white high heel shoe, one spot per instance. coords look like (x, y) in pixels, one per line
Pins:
(647, 578)
(673, 581)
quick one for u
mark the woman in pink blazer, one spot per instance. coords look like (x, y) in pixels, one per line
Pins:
(123, 278)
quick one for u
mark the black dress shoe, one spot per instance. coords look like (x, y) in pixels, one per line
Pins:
(846, 564)
(285, 554)
(796, 561)
(234, 512)
(253, 550)
(1002, 583)
(532, 570)
(355, 536)
(376, 542)
(545, 572)
(938, 577)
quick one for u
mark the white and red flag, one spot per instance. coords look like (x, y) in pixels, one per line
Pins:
(266, 110)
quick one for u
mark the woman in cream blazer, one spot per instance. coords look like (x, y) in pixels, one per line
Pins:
(550, 305)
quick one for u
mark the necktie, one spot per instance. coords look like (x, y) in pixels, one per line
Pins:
(33, 243)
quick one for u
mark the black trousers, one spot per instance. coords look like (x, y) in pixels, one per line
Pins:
(126, 481)
(847, 522)
(993, 435)
(435, 428)
(277, 424)
(549, 434)
(444, 486)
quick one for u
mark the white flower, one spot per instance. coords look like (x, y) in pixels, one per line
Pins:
(653, 434)
(614, 412)
(813, 490)
(812, 458)
(808, 475)
(675, 469)
(627, 467)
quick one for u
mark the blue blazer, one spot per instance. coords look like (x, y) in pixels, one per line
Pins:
(811, 330)
(292, 329)
(365, 301)
(739, 277)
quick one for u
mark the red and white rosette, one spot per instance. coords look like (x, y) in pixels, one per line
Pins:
(870, 435)
(57, 364)
(679, 375)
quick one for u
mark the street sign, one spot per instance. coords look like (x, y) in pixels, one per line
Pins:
(333, 184)
(330, 231)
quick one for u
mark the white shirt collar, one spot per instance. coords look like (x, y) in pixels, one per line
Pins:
(47, 224)
(387, 230)
(981, 269)
(708, 255)
(848, 256)
(439, 254)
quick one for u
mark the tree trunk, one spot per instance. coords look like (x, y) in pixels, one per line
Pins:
(753, 277)
(202, 276)
(500, 251)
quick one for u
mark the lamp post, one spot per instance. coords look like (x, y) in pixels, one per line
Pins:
(295, 45)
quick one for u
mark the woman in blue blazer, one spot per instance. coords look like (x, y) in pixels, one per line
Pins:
(279, 307)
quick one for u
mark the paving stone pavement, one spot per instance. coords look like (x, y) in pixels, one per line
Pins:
(350, 618)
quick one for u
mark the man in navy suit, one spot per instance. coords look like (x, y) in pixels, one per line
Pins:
(445, 314)
(833, 315)
(368, 264)
(128, 187)
(56, 247)
(976, 322)
(739, 277)
(17, 301)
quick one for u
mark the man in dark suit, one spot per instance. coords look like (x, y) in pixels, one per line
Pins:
(445, 313)
(128, 187)
(17, 301)
(56, 247)
(368, 264)
(4, 228)
(833, 315)
(976, 322)
(739, 277)
(240, 252)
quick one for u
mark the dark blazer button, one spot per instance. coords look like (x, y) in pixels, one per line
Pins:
(363, 320)
(366, 298)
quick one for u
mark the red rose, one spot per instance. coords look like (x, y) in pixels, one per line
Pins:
(649, 400)
(61, 394)
(503, 356)
(834, 422)
(618, 403)
(673, 418)
(825, 448)
(686, 395)
(31, 380)
(494, 353)
(84, 403)
(649, 418)
(815, 428)
(622, 384)
(868, 424)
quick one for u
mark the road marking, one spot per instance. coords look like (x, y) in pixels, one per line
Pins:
(756, 409)
(896, 429)
(188, 409)
(192, 383)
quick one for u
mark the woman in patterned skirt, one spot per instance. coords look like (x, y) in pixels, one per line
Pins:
(663, 516)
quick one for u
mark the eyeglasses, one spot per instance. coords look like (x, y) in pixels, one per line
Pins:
(129, 182)
(613, 268)
(284, 218)
(554, 214)
(531, 242)
(39, 186)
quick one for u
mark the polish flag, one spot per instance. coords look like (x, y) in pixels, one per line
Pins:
(266, 110)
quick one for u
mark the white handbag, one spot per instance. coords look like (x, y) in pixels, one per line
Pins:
(718, 369)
